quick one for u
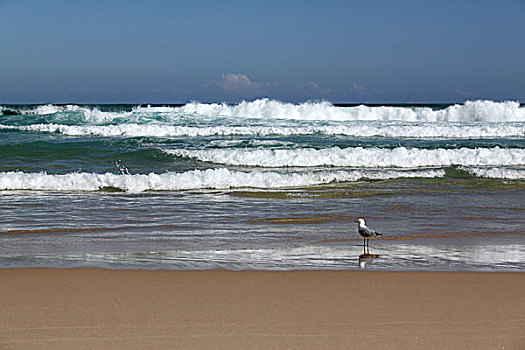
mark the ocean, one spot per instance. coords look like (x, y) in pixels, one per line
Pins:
(263, 185)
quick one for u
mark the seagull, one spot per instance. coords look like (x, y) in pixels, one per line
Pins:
(365, 231)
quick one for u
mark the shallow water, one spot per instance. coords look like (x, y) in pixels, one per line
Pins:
(456, 229)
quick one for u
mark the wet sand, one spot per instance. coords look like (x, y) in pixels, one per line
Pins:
(116, 309)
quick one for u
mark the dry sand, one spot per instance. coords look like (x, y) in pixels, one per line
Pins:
(111, 309)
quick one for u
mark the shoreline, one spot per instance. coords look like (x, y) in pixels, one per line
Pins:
(494, 251)
(84, 308)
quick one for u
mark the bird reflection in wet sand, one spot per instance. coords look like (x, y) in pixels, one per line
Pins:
(366, 257)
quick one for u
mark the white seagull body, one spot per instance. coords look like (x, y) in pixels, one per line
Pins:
(365, 231)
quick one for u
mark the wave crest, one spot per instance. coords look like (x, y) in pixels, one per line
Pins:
(193, 180)
(387, 130)
(358, 157)
(470, 111)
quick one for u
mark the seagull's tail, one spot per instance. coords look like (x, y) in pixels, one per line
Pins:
(378, 234)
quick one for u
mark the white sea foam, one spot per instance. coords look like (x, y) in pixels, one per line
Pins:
(251, 143)
(355, 129)
(195, 179)
(470, 111)
(497, 173)
(46, 109)
(357, 157)
(87, 114)
(269, 109)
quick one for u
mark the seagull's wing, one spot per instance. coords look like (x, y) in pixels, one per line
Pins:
(366, 232)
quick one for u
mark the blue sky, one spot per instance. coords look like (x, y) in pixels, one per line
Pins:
(162, 51)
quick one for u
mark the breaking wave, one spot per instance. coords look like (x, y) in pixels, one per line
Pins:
(70, 113)
(390, 130)
(196, 179)
(496, 173)
(401, 157)
(470, 111)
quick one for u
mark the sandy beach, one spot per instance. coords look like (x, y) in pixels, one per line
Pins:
(116, 309)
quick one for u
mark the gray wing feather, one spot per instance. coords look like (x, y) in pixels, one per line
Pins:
(366, 232)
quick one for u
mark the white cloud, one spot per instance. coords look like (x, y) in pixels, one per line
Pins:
(241, 86)
(239, 81)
